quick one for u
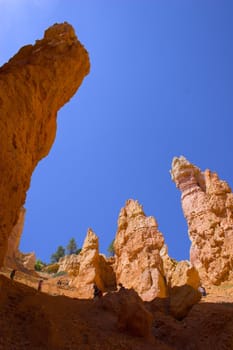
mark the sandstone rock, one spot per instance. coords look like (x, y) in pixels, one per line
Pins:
(179, 273)
(91, 267)
(169, 264)
(28, 260)
(14, 240)
(137, 247)
(34, 85)
(182, 298)
(86, 266)
(207, 204)
(133, 317)
(107, 272)
(13, 257)
(183, 281)
(70, 264)
(185, 274)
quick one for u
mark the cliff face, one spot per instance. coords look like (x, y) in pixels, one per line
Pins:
(13, 241)
(207, 204)
(34, 85)
(137, 247)
(13, 257)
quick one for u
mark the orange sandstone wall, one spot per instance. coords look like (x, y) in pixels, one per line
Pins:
(34, 85)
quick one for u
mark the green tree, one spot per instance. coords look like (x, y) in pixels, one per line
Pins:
(71, 247)
(58, 254)
(39, 265)
(78, 251)
(111, 248)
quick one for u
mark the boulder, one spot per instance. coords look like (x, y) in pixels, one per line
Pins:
(133, 317)
(185, 274)
(182, 299)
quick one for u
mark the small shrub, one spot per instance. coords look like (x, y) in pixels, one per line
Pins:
(111, 249)
(51, 268)
(39, 265)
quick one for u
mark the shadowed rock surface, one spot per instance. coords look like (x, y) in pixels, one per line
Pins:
(35, 320)
(13, 257)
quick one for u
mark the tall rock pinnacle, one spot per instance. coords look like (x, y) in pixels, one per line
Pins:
(137, 247)
(207, 204)
(34, 85)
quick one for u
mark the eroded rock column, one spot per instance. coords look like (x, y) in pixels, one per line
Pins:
(207, 204)
(34, 85)
(137, 247)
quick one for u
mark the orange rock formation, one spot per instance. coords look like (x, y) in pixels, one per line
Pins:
(34, 85)
(13, 257)
(88, 267)
(137, 247)
(207, 204)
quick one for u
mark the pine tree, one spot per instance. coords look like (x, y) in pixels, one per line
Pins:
(58, 254)
(71, 247)
(111, 248)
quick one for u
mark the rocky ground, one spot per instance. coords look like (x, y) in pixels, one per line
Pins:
(120, 320)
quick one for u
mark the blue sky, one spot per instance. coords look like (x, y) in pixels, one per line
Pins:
(161, 85)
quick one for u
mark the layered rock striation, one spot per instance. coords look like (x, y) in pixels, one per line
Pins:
(34, 85)
(207, 204)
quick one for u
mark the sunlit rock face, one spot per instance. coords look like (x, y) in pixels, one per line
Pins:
(137, 247)
(34, 85)
(89, 267)
(70, 264)
(207, 204)
(179, 273)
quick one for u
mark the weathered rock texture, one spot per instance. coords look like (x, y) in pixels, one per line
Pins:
(207, 204)
(182, 298)
(13, 257)
(137, 247)
(133, 317)
(69, 264)
(14, 240)
(34, 85)
(90, 267)
(184, 274)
